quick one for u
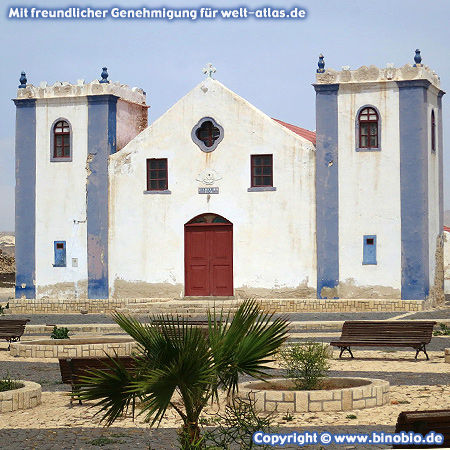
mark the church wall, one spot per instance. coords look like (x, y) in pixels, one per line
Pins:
(25, 206)
(61, 200)
(447, 262)
(132, 118)
(273, 231)
(369, 194)
(434, 206)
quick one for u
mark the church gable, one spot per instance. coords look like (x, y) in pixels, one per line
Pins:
(214, 152)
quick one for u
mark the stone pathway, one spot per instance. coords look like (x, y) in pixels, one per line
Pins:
(53, 425)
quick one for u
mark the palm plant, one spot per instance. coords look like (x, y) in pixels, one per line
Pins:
(180, 366)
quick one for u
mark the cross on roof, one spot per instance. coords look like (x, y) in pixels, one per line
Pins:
(209, 70)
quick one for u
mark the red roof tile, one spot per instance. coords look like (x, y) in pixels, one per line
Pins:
(309, 135)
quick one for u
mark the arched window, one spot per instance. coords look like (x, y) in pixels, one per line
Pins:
(368, 128)
(61, 140)
(208, 218)
(433, 132)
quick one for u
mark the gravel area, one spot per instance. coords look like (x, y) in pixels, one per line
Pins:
(325, 317)
(64, 319)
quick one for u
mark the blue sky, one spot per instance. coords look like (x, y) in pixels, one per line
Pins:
(271, 63)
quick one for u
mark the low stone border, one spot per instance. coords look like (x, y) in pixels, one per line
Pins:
(26, 397)
(374, 392)
(73, 306)
(447, 355)
(72, 348)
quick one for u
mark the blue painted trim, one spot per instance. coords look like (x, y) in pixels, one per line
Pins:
(60, 259)
(369, 250)
(440, 150)
(52, 141)
(102, 115)
(327, 187)
(25, 198)
(357, 147)
(414, 127)
(157, 192)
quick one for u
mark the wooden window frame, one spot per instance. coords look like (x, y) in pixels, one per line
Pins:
(433, 132)
(368, 111)
(253, 164)
(213, 142)
(66, 141)
(158, 178)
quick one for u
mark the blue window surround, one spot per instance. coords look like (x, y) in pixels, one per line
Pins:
(369, 249)
(60, 254)
(357, 147)
(52, 141)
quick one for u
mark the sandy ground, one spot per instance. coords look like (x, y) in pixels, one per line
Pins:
(55, 425)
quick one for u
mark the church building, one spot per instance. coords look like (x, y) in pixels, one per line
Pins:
(217, 199)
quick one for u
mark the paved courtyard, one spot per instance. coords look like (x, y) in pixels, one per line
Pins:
(54, 425)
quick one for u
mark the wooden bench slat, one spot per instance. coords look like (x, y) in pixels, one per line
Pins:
(73, 369)
(385, 334)
(12, 329)
(423, 422)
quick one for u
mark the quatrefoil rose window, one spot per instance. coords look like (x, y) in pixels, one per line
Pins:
(207, 134)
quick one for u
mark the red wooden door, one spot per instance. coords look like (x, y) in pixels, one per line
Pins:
(209, 259)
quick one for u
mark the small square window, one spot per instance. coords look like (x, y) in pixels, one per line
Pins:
(369, 250)
(157, 176)
(261, 170)
(60, 254)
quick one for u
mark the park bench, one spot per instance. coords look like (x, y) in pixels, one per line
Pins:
(12, 329)
(379, 333)
(74, 369)
(423, 422)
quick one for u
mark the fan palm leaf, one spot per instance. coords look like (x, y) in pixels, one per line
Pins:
(182, 367)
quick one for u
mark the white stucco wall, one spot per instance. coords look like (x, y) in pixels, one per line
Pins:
(433, 182)
(369, 193)
(273, 232)
(61, 200)
(446, 262)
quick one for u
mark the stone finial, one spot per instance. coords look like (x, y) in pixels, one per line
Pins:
(417, 59)
(104, 75)
(23, 80)
(321, 64)
(209, 70)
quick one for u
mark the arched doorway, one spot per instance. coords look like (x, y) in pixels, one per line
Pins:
(208, 256)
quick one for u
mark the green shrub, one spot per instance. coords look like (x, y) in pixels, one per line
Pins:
(2, 309)
(237, 425)
(60, 333)
(7, 384)
(306, 363)
(444, 331)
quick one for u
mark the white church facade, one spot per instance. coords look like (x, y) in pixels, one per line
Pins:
(217, 199)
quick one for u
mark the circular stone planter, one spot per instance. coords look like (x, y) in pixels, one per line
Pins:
(72, 348)
(447, 355)
(345, 394)
(25, 397)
